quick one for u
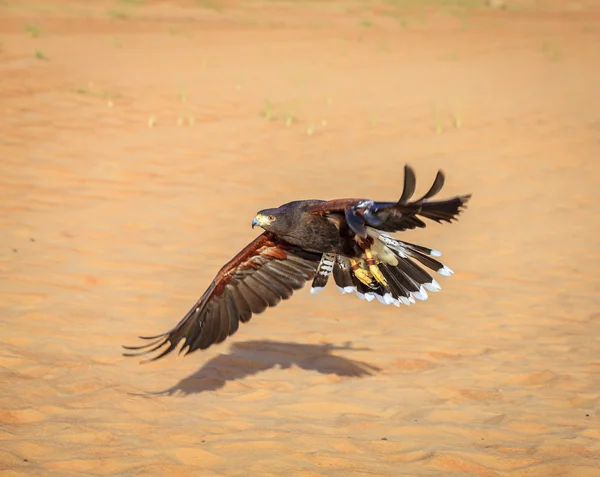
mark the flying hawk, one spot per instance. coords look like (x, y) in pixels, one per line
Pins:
(312, 240)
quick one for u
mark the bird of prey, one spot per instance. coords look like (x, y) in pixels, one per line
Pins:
(312, 240)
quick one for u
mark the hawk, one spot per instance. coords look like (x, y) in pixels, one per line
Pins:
(312, 240)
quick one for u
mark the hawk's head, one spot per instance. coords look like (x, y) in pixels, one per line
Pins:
(272, 220)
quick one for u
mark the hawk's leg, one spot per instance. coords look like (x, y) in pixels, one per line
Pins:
(374, 269)
(361, 273)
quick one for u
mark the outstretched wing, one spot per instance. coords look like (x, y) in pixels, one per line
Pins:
(400, 215)
(262, 274)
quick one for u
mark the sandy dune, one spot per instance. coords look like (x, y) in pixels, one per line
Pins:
(137, 142)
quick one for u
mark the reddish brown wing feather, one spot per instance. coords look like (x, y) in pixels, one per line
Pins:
(260, 275)
(335, 205)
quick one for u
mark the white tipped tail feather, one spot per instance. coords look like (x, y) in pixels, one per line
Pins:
(403, 264)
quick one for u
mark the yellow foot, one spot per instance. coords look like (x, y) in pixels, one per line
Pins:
(361, 273)
(374, 269)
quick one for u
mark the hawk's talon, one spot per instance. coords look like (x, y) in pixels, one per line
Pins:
(377, 275)
(363, 275)
(374, 269)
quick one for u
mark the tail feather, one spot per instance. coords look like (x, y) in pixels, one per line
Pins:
(406, 273)
(404, 266)
(412, 278)
(419, 248)
(429, 262)
(406, 282)
(418, 252)
(398, 289)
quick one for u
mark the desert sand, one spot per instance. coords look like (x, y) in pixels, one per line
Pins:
(138, 140)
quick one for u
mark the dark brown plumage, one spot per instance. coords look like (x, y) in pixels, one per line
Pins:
(312, 240)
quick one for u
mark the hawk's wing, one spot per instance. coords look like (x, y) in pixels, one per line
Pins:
(400, 215)
(261, 275)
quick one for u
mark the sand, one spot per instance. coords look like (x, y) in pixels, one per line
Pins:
(139, 139)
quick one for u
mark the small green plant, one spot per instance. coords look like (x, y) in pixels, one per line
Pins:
(367, 23)
(285, 113)
(461, 14)
(452, 56)
(445, 118)
(268, 111)
(118, 14)
(189, 118)
(209, 4)
(33, 31)
(550, 51)
(457, 119)
(438, 125)
(290, 118)
(185, 117)
(172, 31)
(39, 54)
(92, 92)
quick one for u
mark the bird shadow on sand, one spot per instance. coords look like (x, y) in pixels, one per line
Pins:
(252, 357)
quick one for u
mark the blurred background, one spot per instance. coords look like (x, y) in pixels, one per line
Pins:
(138, 140)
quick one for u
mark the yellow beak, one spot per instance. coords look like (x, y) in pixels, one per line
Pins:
(259, 220)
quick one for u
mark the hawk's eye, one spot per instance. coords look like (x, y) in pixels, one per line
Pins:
(271, 218)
